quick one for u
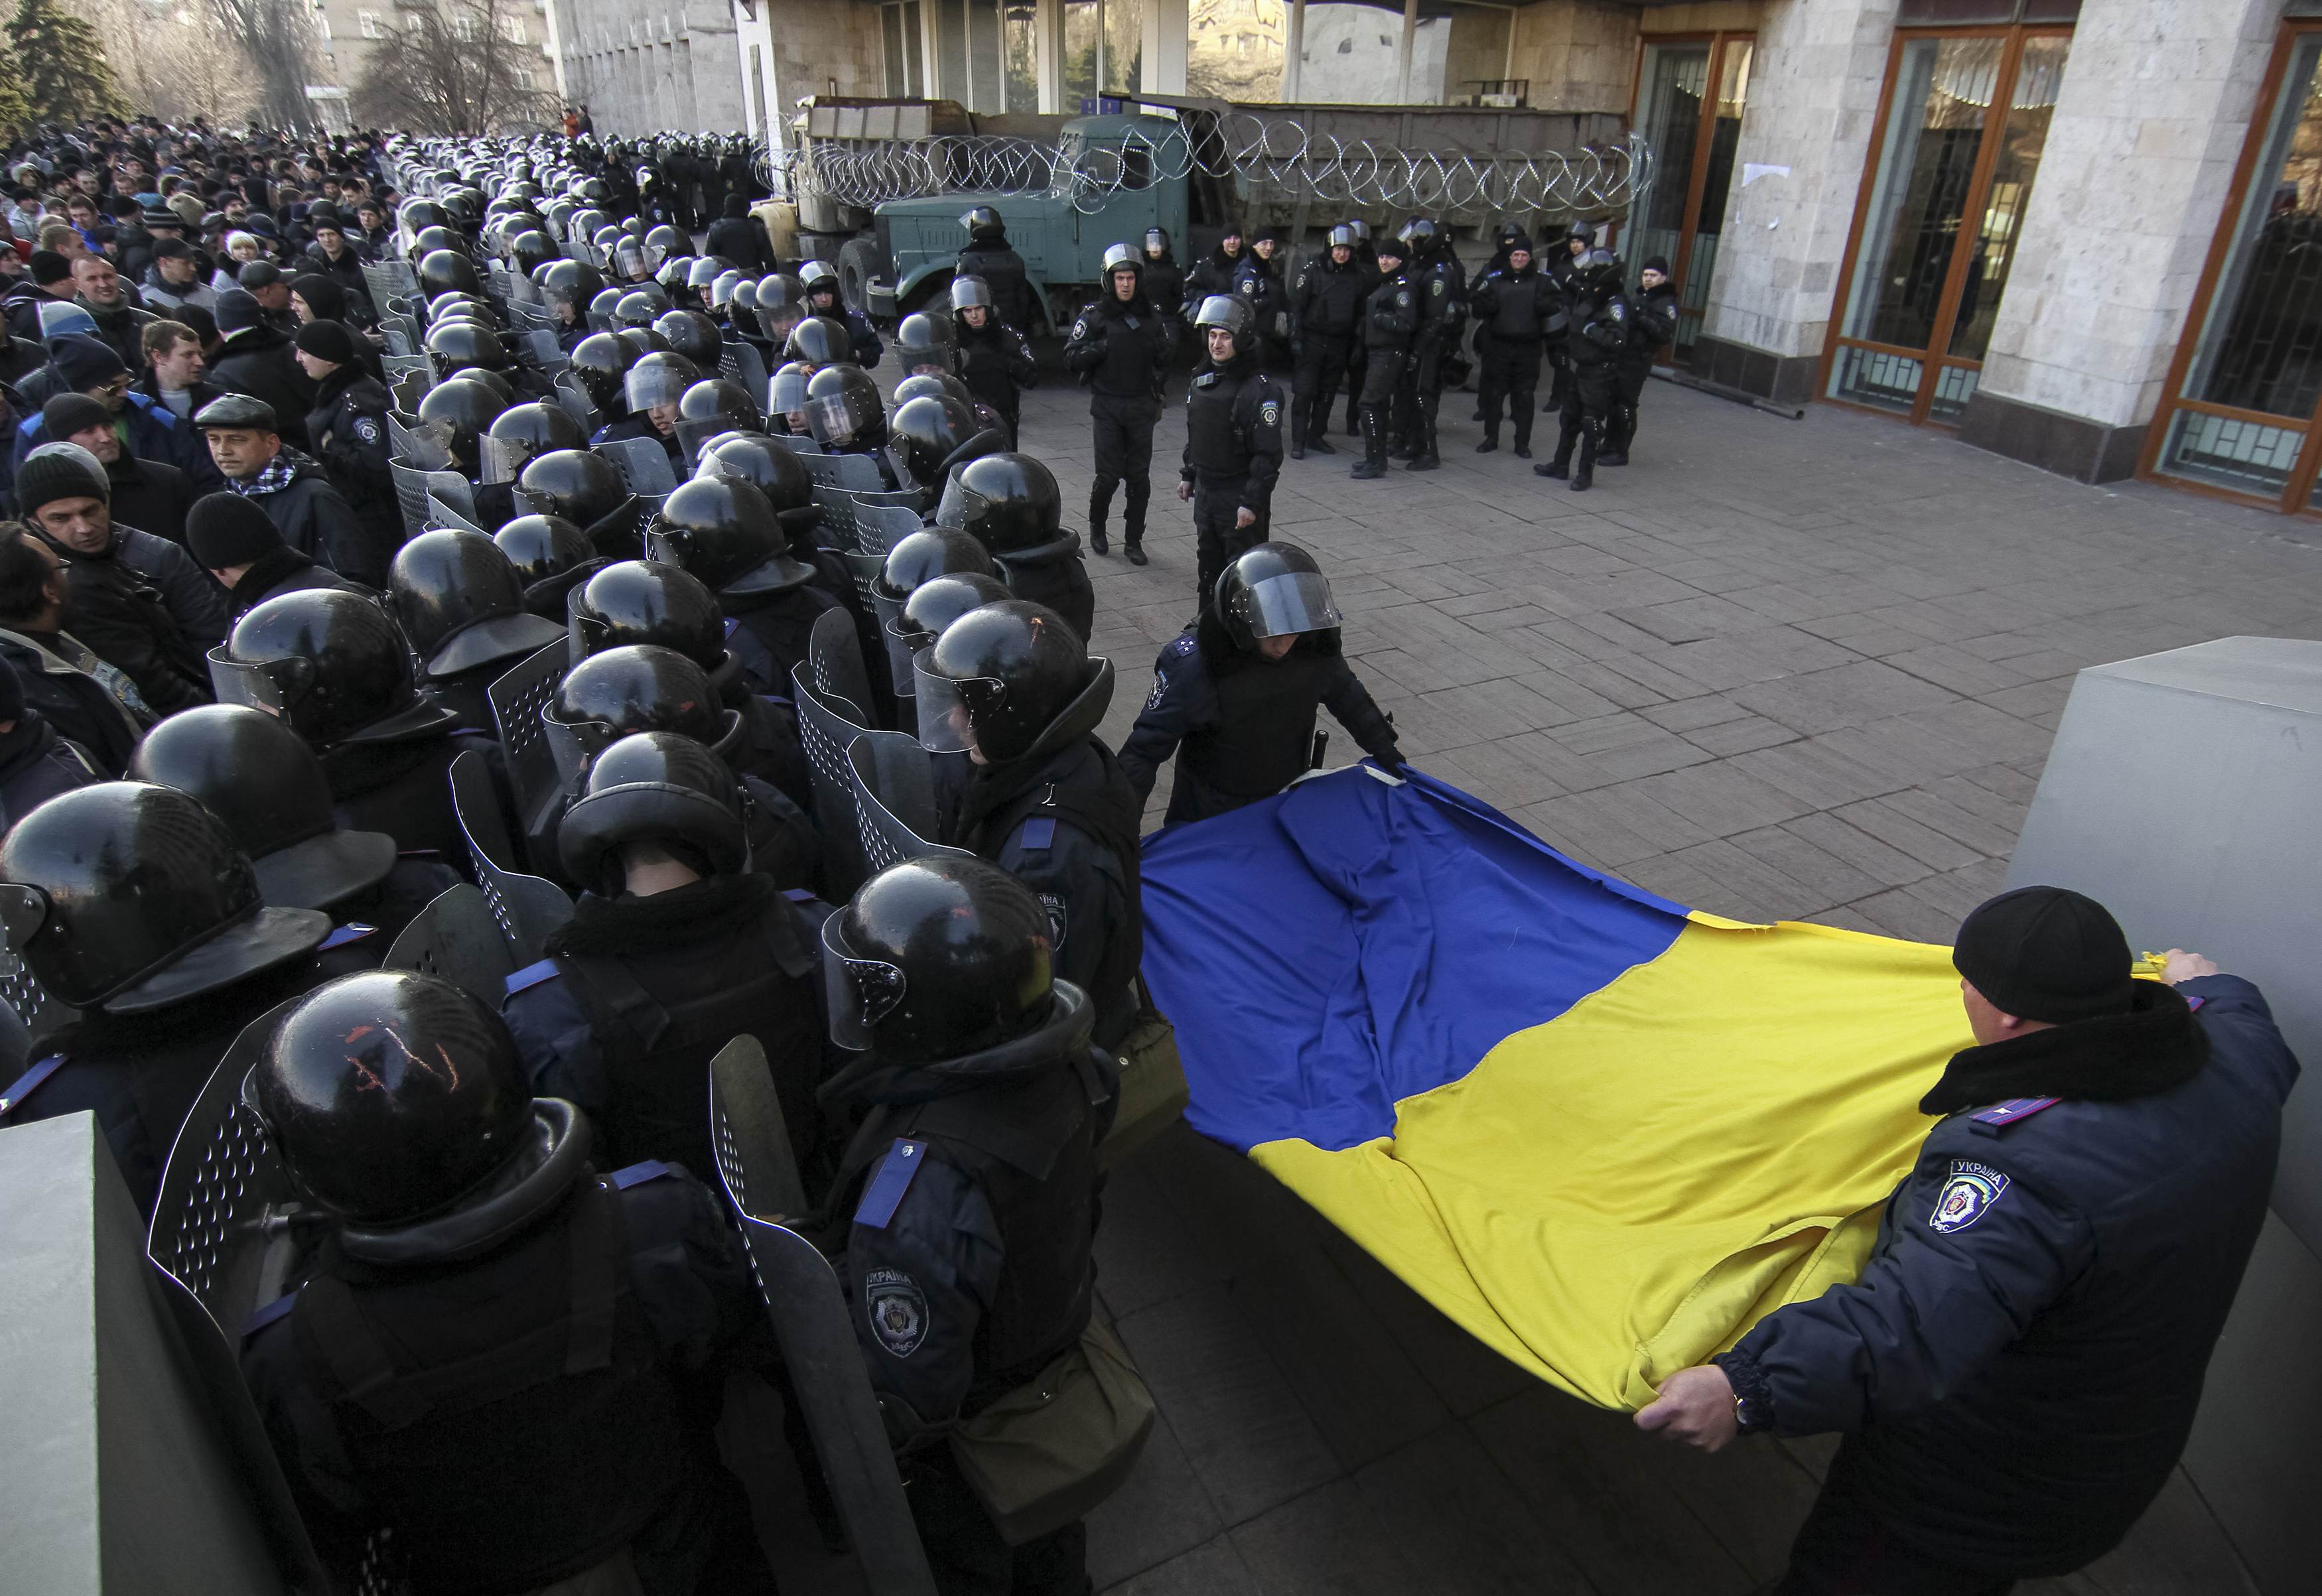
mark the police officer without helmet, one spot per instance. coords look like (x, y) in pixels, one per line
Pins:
(1652, 322)
(1121, 346)
(1596, 318)
(1011, 504)
(1325, 315)
(971, 1184)
(1517, 310)
(1235, 695)
(2016, 1370)
(558, 1431)
(1390, 321)
(1233, 439)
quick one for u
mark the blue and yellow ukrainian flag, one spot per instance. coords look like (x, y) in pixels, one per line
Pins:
(1604, 1133)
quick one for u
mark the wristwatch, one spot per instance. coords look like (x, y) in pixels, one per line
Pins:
(1750, 1415)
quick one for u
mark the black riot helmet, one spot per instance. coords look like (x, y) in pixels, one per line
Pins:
(712, 406)
(659, 788)
(932, 551)
(1343, 236)
(1229, 313)
(1599, 272)
(437, 240)
(460, 602)
(969, 291)
(447, 272)
(1583, 234)
(598, 362)
(459, 412)
(552, 557)
(391, 1096)
(938, 601)
(924, 342)
(639, 688)
(1125, 258)
(692, 334)
(981, 221)
(1004, 680)
(1420, 235)
(703, 274)
(927, 436)
(777, 301)
(585, 490)
(460, 346)
(129, 897)
(843, 409)
(664, 242)
(818, 278)
(419, 213)
(774, 468)
(919, 383)
(786, 389)
(258, 776)
(937, 958)
(332, 664)
(1272, 590)
(600, 306)
(720, 293)
(1156, 243)
(722, 530)
(571, 284)
(635, 310)
(659, 379)
(672, 274)
(1008, 502)
(820, 342)
(459, 307)
(531, 250)
(645, 601)
(521, 433)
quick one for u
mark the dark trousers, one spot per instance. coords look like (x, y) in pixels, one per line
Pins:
(1314, 383)
(966, 1553)
(1358, 365)
(1845, 1548)
(1588, 402)
(1124, 454)
(1621, 426)
(1509, 373)
(1217, 501)
(1375, 398)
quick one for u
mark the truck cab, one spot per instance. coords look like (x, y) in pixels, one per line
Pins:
(1114, 176)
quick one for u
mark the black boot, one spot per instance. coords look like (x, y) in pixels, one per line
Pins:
(1374, 460)
(1318, 442)
(1561, 466)
(1297, 431)
(1583, 475)
(1522, 414)
(1618, 430)
(1132, 550)
(1100, 505)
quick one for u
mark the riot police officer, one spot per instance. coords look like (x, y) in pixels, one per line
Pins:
(721, 531)
(1441, 290)
(612, 1307)
(1120, 346)
(677, 944)
(1013, 688)
(1214, 272)
(1233, 439)
(335, 667)
(461, 606)
(1011, 504)
(988, 256)
(1164, 281)
(1652, 322)
(1596, 317)
(255, 773)
(654, 390)
(1389, 320)
(972, 1182)
(995, 361)
(583, 489)
(1517, 310)
(820, 281)
(1326, 304)
(1258, 280)
(918, 559)
(552, 557)
(131, 903)
(1366, 262)
(1234, 695)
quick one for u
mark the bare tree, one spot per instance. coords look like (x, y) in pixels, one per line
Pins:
(455, 66)
(278, 38)
(172, 60)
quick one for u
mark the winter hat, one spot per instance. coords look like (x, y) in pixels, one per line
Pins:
(224, 529)
(1657, 263)
(238, 411)
(68, 414)
(237, 313)
(326, 340)
(172, 248)
(45, 477)
(2046, 953)
(325, 297)
(49, 267)
(84, 362)
(258, 274)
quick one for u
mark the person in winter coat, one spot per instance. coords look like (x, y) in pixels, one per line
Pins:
(2016, 1369)
(257, 362)
(989, 257)
(140, 603)
(147, 495)
(1119, 348)
(235, 542)
(1164, 281)
(35, 764)
(1214, 273)
(293, 489)
(91, 704)
(175, 278)
(87, 366)
(994, 360)
(348, 425)
(1652, 322)
(1258, 280)
(741, 238)
(98, 289)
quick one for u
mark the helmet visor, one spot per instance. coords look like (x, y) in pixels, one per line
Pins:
(1295, 601)
(778, 321)
(858, 993)
(647, 386)
(427, 444)
(832, 419)
(259, 684)
(944, 724)
(970, 291)
(786, 390)
(502, 459)
(691, 435)
(960, 505)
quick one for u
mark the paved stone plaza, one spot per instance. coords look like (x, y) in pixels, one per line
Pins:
(1802, 668)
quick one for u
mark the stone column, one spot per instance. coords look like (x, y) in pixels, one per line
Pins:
(1163, 63)
(2150, 120)
(1813, 98)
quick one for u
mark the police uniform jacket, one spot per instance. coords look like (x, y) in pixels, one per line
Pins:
(996, 363)
(1442, 289)
(1260, 283)
(405, 788)
(520, 1407)
(1053, 573)
(1599, 324)
(351, 408)
(988, 256)
(1241, 726)
(1213, 273)
(969, 1219)
(1517, 306)
(1393, 313)
(1327, 299)
(1165, 283)
(1120, 349)
(2017, 1369)
(638, 994)
(1653, 323)
(1233, 431)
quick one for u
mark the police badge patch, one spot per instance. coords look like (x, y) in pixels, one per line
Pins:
(366, 429)
(1270, 413)
(1055, 908)
(898, 1311)
(1966, 1196)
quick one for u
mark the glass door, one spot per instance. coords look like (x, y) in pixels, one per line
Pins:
(1694, 132)
(2241, 413)
(1965, 118)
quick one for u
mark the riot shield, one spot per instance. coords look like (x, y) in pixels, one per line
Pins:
(796, 444)
(526, 906)
(33, 1004)
(894, 798)
(808, 1307)
(837, 530)
(744, 364)
(879, 527)
(858, 473)
(836, 659)
(518, 700)
(456, 937)
(643, 464)
(826, 734)
(453, 491)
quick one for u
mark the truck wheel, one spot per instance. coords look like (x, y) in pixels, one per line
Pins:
(859, 261)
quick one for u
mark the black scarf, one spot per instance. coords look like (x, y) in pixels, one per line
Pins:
(265, 573)
(714, 907)
(2155, 1045)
